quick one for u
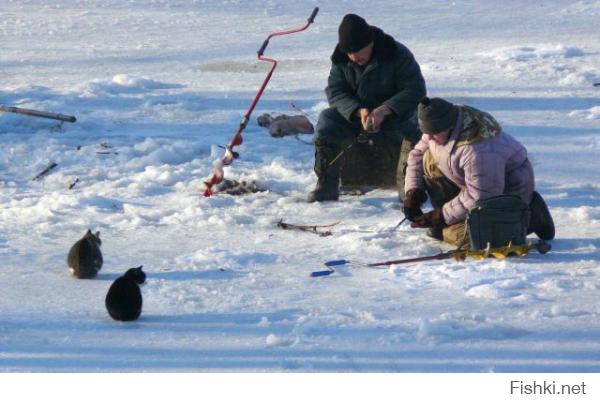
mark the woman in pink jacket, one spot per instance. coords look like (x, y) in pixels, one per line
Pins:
(464, 157)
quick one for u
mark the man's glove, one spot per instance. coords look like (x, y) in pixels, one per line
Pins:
(412, 203)
(435, 218)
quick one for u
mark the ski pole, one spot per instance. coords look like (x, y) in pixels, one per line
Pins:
(237, 140)
(39, 114)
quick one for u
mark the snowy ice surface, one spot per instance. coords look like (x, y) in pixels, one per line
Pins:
(157, 85)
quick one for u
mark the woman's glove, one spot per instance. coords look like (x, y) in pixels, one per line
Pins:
(412, 203)
(435, 218)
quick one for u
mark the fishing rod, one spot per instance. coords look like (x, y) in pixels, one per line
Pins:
(459, 254)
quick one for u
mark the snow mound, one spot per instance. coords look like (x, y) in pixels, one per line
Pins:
(578, 78)
(158, 152)
(507, 288)
(586, 7)
(225, 259)
(527, 53)
(584, 214)
(566, 66)
(559, 310)
(589, 114)
(278, 341)
(447, 330)
(123, 84)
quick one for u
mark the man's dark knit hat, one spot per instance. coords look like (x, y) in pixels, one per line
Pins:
(436, 115)
(354, 34)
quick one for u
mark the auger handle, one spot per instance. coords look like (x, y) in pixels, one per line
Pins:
(263, 47)
(311, 19)
(237, 139)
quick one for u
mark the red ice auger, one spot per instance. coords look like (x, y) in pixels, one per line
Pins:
(230, 155)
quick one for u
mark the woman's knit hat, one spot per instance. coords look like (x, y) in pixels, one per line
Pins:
(436, 115)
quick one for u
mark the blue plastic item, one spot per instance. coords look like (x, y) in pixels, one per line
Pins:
(321, 273)
(336, 263)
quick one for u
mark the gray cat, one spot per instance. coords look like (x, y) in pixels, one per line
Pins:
(85, 258)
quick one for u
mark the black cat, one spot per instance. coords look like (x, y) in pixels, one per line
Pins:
(124, 298)
(85, 257)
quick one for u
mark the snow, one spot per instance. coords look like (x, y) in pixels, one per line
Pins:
(157, 85)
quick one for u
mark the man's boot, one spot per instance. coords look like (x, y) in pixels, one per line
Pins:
(326, 190)
(540, 221)
(328, 182)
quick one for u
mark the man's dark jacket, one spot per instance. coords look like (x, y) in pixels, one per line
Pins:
(392, 77)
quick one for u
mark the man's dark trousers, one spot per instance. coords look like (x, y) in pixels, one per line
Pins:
(334, 134)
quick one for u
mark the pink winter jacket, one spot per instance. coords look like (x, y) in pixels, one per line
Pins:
(480, 158)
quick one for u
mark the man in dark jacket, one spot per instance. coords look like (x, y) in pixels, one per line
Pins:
(373, 90)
